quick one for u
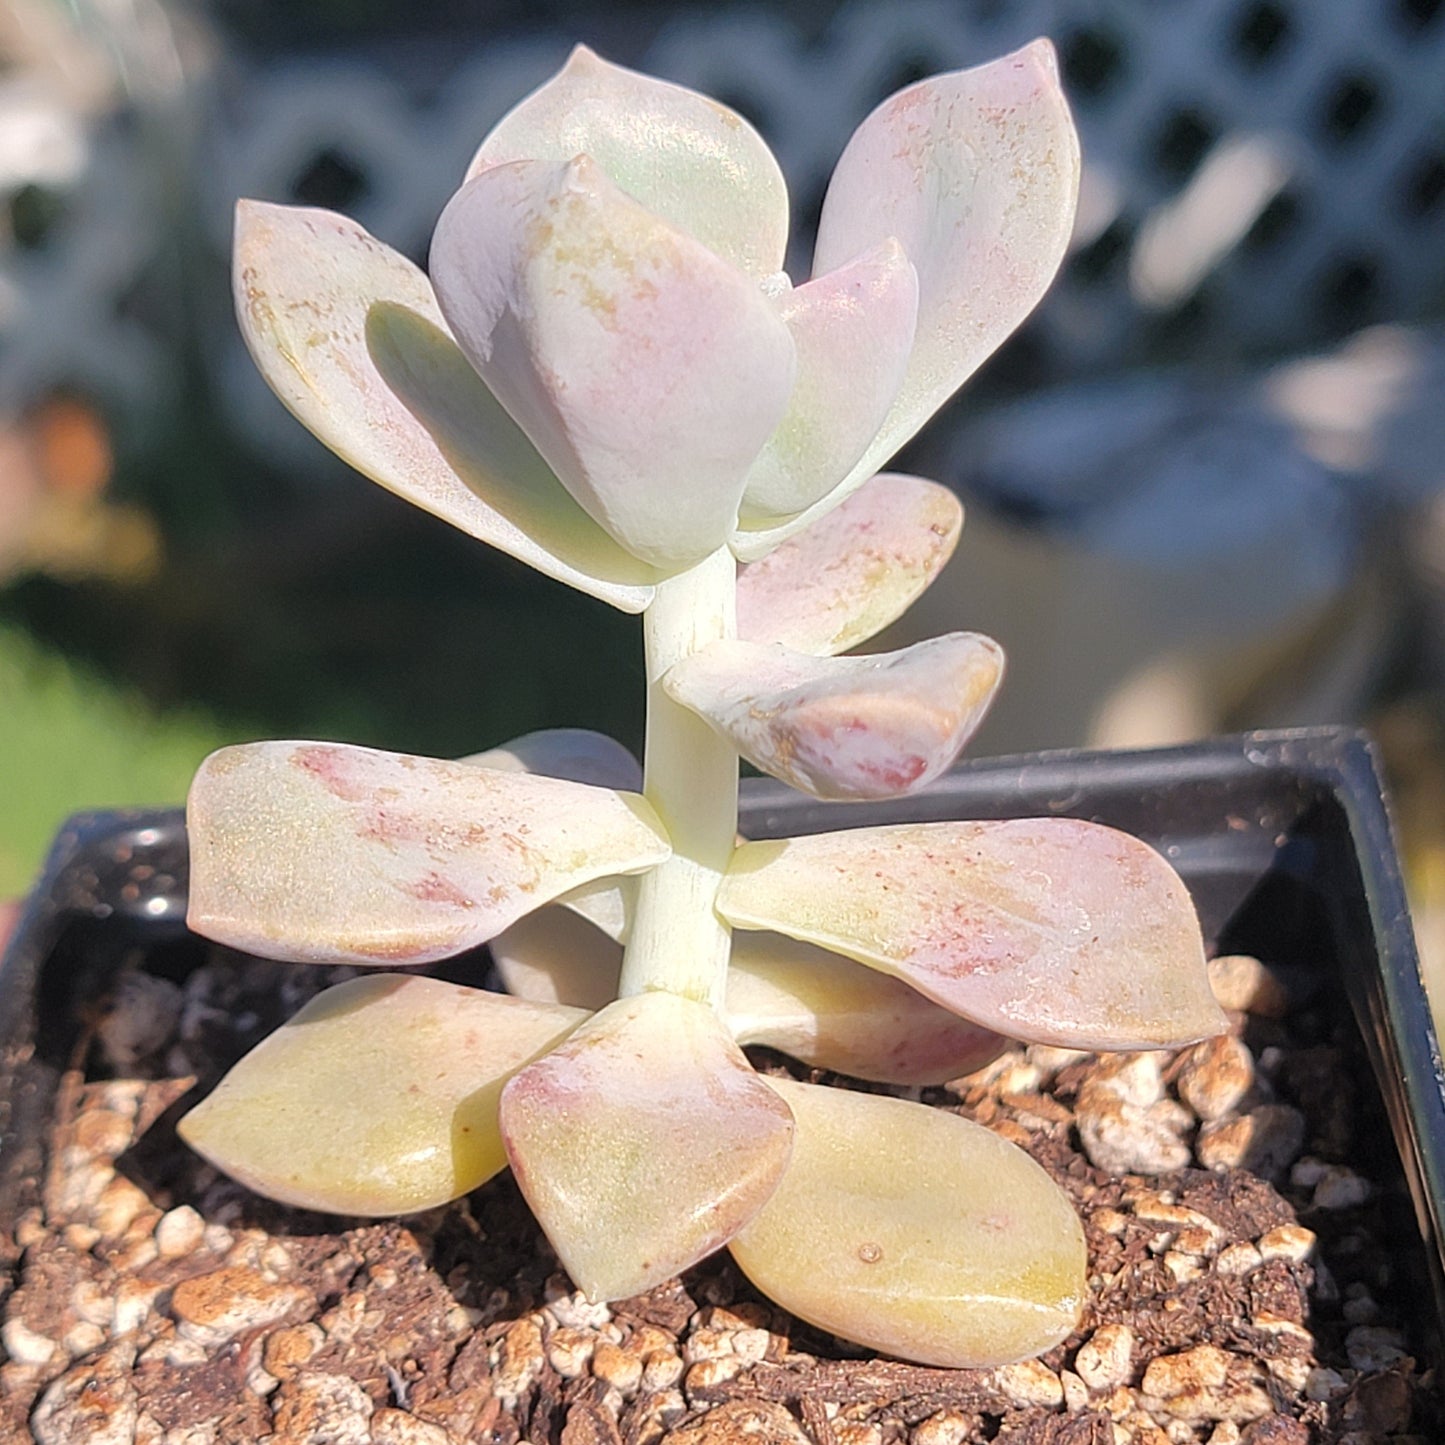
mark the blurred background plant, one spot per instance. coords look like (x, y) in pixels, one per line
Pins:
(1206, 483)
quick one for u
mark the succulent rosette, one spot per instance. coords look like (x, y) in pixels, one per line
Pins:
(609, 376)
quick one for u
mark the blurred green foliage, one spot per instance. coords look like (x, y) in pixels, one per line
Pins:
(71, 741)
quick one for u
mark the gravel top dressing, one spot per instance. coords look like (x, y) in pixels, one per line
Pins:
(1240, 1199)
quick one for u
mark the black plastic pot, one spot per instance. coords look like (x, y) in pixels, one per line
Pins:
(1283, 839)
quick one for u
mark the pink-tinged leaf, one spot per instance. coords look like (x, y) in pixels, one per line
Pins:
(321, 853)
(916, 1232)
(644, 1142)
(348, 334)
(577, 754)
(854, 570)
(648, 371)
(582, 756)
(875, 726)
(693, 162)
(829, 1012)
(1051, 930)
(379, 1097)
(820, 1007)
(976, 174)
(853, 330)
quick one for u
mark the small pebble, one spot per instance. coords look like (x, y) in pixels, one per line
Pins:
(707, 1344)
(1266, 1140)
(569, 1351)
(83, 1337)
(179, 1232)
(1340, 1188)
(1184, 1267)
(1198, 1385)
(661, 1370)
(25, 1346)
(1238, 1259)
(93, 1403)
(1243, 984)
(1292, 1243)
(520, 1360)
(120, 1204)
(143, 1013)
(397, 1427)
(572, 1308)
(81, 1237)
(1104, 1360)
(286, 1350)
(857, 1432)
(708, 1374)
(1030, 1383)
(1125, 1123)
(1076, 1392)
(948, 1427)
(215, 1307)
(733, 1422)
(317, 1407)
(618, 1367)
(1292, 1371)
(1374, 1347)
(1215, 1076)
(1325, 1384)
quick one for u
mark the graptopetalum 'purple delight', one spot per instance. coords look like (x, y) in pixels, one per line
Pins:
(609, 376)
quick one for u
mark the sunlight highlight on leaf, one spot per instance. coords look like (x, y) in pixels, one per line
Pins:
(347, 333)
(1049, 930)
(917, 1233)
(378, 1097)
(695, 163)
(631, 354)
(877, 726)
(854, 570)
(644, 1142)
(322, 853)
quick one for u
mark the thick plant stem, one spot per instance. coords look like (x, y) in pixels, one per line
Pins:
(678, 942)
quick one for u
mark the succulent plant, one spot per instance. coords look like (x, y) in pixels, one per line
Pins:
(609, 377)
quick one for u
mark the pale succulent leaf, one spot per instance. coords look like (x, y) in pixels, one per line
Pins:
(869, 727)
(690, 160)
(976, 174)
(820, 1007)
(607, 904)
(854, 570)
(917, 1233)
(577, 754)
(648, 371)
(853, 330)
(379, 1097)
(1050, 930)
(322, 853)
(582, 756)
(347, 333)
(556, 956)
(832, 1013)
(644, 1142)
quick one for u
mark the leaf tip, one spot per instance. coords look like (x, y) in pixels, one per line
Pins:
(583, 60)
(1043, 56)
